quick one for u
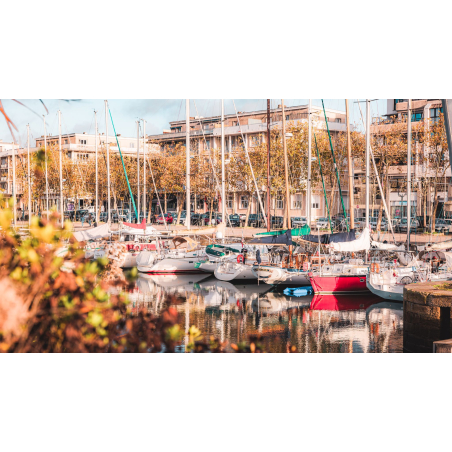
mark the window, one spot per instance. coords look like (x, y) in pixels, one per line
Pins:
(339, 120)
(65, 141)
(82, 156)
(244, 202)
(417, 116)
(296, 202)
(255, 140)
(230, 202)
(279, 202)
(207, 143)
(82, 141)
(435, 113)
(316, 202)
(396, 101)
(287, 117)
(235, 123)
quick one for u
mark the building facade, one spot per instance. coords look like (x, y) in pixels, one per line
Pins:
(82, 146)
(205, 134)
(424, 112)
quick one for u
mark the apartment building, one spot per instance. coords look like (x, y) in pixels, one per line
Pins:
(205, 134)
(6, 175)
(82, 146)
(428, 111)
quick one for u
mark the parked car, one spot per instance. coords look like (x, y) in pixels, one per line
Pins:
(276, 222)
(403, 225)
(69, 215)
(374, 222)
(85, 218)
(360, 222)
(79, 214)
(205, 218)
(183, 217)
(103, 217)
(339, 224)
(442, 226)
(168, 219)
(133, 218)
(255, 220)
(298, 222)
(234, 220)
(322, 223)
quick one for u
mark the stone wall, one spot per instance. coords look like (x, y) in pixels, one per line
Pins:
(426, 315)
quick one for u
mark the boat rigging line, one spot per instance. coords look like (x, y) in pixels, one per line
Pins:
(251, 167)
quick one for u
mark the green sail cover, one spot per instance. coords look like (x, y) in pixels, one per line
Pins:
(220, 250)
(305, 230)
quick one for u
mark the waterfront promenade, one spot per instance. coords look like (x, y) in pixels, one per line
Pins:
(416, 239)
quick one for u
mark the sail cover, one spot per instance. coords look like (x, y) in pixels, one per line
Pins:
(296, 232)
(387, 246)
(282, 239)
(93, 234)
(136, 226)
(439, 245)
(326, 239)
(361, 244)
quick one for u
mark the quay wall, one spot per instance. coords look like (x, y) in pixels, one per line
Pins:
(426, 315)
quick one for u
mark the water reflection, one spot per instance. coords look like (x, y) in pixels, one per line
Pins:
(319, 323)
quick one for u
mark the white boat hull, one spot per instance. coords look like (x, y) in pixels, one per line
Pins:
(174, 264)
(129, 260)
(229, 271)
(208, 266)
(386, 291)
(278, 275)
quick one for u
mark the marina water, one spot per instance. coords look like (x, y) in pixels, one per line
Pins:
(313, 323)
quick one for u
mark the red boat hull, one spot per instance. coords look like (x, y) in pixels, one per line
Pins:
(339, 284)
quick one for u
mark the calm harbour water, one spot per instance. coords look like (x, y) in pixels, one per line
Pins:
(319, 323)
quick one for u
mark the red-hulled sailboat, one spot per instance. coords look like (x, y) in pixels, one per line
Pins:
(340, 283)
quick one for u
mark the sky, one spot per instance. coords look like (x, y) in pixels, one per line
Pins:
(78, 115)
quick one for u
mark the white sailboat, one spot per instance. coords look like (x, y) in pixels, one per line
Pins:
(242, 266)
(179, 256)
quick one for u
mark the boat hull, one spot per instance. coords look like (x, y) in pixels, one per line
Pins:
(170, 266)
(339, 284)
(230, 271)
(395, 295)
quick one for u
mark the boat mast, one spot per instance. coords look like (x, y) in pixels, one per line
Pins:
(29, 177)
(108, 161)
(223, 181)
(144, 169)
(187, 151)
(14, 183)
(367, 161)
(61, 169)
(97, 169)
(286, 166)
(268, 166)
(308, 188)
(350, 169)
(45, 159)
(408, 176)
(138, 171)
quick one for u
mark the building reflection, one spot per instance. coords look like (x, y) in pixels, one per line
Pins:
(232, 312)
